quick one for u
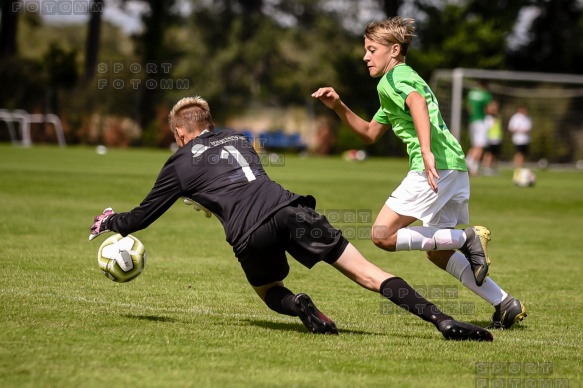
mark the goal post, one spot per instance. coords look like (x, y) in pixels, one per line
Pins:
(554, 102)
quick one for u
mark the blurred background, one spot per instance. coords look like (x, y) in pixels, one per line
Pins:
(107, 72)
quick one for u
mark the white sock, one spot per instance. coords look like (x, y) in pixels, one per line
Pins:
(425, 238)
(459, 267)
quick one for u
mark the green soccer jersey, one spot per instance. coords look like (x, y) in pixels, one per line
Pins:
(477, 100)
(393, 89)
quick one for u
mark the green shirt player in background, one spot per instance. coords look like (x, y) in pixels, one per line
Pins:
(436, 190)
(477, 100)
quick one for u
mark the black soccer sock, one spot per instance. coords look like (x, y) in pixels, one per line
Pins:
(400, 293)
(281, 300)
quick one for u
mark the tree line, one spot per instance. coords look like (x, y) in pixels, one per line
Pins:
(239, 53)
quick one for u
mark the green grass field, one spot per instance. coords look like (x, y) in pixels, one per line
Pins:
(191, 320)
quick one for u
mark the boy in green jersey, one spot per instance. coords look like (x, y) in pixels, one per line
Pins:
(478, 99)
(436, 190)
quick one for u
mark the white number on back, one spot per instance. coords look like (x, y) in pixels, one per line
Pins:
(240, 160)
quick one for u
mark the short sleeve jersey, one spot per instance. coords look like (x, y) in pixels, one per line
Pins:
(520, 125)
(393, 89)
(477, 101)
(222, 172)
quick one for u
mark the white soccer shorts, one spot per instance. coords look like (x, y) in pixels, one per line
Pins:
(479, 133)
(445, 209)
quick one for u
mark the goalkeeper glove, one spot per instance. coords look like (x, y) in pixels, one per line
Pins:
(99, 224)
(198, 207)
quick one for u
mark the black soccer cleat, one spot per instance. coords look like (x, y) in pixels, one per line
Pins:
(507, 313)
(461, 331)
(475, 250)
(313, 319)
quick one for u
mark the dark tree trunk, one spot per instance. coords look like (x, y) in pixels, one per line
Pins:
(93, 38)
(8, 29)
(391, 7)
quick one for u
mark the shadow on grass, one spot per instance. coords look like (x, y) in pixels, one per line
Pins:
(150, 318)
(298, 327)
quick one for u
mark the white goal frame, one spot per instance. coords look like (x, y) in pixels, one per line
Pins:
(458, 75)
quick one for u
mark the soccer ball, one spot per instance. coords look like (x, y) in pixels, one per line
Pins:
(354, 155)
(523, 177)
(122, 258)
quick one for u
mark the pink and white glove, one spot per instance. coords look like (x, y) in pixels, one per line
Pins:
(98, 226)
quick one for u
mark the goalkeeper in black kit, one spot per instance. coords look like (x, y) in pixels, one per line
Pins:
(220, 173)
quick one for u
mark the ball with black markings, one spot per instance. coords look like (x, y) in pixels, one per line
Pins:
(122, 259)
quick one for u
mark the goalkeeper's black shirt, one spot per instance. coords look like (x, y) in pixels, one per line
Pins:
(222, 172)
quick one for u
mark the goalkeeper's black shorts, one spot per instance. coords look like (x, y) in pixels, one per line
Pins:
(297, 229)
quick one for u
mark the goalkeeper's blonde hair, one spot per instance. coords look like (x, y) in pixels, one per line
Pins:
(392, 30)
(191, 113)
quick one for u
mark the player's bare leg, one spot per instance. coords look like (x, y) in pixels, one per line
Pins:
(440, 258)
(391, 232)
(385, 228)
(473, 159)
(353, 265)
(518, 160)
(361, 271)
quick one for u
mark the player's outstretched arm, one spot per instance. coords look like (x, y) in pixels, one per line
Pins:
(100, 223)
(368, 132)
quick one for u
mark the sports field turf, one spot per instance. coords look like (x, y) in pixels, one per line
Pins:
(191, 320)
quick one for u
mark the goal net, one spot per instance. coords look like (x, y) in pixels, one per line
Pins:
(554, 103)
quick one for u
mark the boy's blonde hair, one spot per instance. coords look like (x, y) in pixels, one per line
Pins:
(392, 30)
(191, 113)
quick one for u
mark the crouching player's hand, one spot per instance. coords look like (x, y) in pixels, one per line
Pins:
(198, 207)
(99, 224)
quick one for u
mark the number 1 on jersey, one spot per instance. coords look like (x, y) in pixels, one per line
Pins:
(239, 159)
